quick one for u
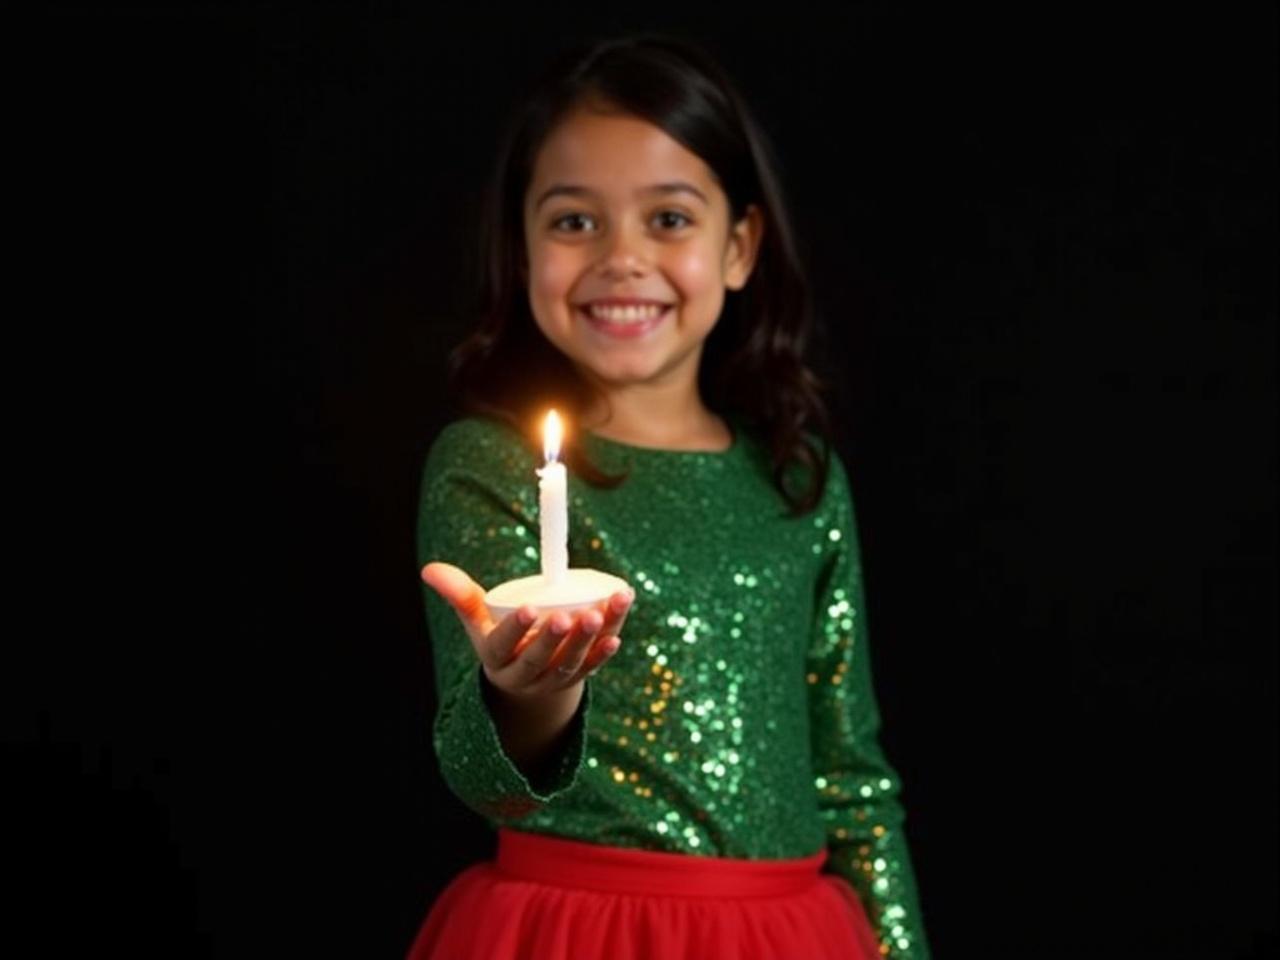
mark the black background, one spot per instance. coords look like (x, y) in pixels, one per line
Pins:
(1044, 247)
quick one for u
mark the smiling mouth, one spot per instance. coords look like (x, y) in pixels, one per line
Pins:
(625, 314)
(624, 322)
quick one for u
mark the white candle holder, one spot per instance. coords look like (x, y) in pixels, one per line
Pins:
(575, 589)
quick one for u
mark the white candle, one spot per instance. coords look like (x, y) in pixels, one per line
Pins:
(553, 505)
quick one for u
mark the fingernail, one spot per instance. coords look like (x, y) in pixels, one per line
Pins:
(525, 616)
(611, 646)
(557, 624)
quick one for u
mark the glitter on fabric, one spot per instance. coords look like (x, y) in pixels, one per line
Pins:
(738, 718)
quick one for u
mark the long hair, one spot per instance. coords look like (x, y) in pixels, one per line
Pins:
(752, 363)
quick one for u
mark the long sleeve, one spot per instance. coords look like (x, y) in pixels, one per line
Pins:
(475, 511)
(857, 788)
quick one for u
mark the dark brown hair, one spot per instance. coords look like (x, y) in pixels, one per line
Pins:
(752, 364)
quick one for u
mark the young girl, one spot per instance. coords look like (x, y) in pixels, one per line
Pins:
(711, 785)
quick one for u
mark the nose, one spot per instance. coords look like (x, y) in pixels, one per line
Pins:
(623, 256)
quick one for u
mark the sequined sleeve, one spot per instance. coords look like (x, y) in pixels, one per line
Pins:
(857, 788)
(475, 512)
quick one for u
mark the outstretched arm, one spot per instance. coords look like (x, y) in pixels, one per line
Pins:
(475, 513)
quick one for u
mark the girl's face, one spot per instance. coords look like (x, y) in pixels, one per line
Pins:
(630, 249)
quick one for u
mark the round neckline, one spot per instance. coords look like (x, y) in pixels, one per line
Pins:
(735, 444)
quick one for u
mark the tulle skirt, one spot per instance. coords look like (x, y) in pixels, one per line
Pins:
(547, 898)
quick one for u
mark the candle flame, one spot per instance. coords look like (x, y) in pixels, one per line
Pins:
(551, 435)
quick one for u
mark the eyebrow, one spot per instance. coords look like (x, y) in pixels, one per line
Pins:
(573, 190)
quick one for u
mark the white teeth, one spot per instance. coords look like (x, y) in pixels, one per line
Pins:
(625, 314)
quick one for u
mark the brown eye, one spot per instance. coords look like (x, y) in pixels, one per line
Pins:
(681, 219)
(570, 218)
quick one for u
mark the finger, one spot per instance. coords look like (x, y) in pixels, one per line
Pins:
(580, 630)
(463, 594)
(506, 640)
(606, 646)
(607, 640)
(615, 611)
(567, 661)
(528, 662)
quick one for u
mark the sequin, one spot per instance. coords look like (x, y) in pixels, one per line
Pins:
(738, 717)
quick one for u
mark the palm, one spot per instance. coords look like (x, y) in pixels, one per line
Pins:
(517, 655)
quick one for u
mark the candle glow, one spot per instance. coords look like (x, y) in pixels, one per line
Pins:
(552, 433)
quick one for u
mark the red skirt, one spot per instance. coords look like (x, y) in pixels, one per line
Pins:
(546, 898)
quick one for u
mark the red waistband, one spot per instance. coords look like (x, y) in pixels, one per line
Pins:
(572, 863)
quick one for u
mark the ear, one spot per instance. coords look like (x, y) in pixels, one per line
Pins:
(743, 248)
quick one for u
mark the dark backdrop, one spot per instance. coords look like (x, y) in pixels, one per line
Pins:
(1044, 246)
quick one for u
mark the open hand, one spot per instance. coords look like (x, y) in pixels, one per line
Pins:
(526, 655)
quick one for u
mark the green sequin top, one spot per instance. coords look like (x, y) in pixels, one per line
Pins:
(738, 717)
